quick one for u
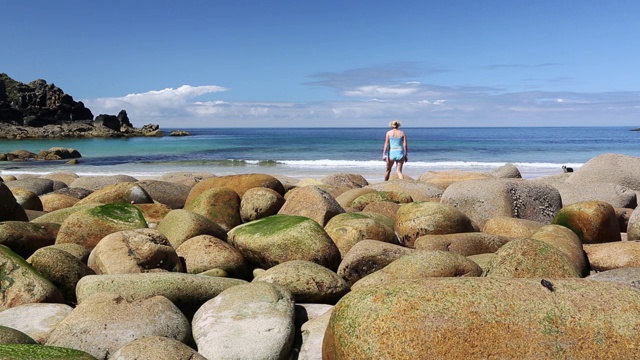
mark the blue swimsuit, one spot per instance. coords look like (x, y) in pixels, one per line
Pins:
(396, 148)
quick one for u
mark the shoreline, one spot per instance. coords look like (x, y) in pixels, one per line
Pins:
(370, 175)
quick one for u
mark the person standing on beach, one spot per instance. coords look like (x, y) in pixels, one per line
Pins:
(395, 149)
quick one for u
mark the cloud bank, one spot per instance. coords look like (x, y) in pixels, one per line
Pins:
(373, 96)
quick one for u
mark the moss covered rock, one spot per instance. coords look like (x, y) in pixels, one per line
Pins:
(422, 264)
(471, 318)
(312, 202)
(21, 284)
(220, 205)
(529, 258)
(124, 192)
(593, 221)
(465, 244)
(41, 352)
(275, 239)
(308, 282)
(238, 183)
(424, 218)
(24, 238)
(179, 225)
(87, 227)
(348, 229)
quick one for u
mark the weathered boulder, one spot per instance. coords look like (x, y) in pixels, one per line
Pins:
(36, 320)
(246, 322)
(169, 193)
(312, 333)
(238, 183)
(205, 252)
(349, 228)
(609, 168)
(511, 227)
(465, 244)
(76, 250)
(58, 153)
(593, 221)
(614, 194)
(633, 225)
(529, 258)
(363, 200)
(566, 241)
(469, 318)
(275, 239)
(422, 264)
(484, 199)
(52, 201)
(122, 192)
(386, 208)
(134, 251)
(311, 202)
(153, 213)
(36, 185)
(308, 282)
(156, 347)
(424, 218)
(220, 205)
(346, 198)
(187, 291)
(260, 202)
(63, 176)
(24, 238)
(87, 227)
(104, 323)
(59, 216)
(418, 190)
(33, 351)
(623, 215)
(629, 276)
(9, 207)
(343, 180)
(506, 171)
(22, 284)
(76, 192)
(179, 225)
(63, 269)
(27, 199)
(98, 182)
(369, 256)
(613, 255)
(185, 178)
(442, 179)
(10, 335)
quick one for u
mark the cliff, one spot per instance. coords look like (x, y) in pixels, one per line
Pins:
(42, 110)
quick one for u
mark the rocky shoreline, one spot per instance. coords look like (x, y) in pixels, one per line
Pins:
(40, 110)
(452, 264)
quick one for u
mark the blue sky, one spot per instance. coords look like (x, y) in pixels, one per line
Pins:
(241, 63)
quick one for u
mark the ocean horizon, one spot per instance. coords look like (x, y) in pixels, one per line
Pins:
(316, 152)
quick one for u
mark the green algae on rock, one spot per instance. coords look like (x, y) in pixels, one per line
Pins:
(41, 352)
(464, 318)
(275, 239)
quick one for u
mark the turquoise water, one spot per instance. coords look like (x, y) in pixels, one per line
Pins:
(315, 152)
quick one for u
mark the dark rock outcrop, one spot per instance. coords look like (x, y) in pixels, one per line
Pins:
(42, 110)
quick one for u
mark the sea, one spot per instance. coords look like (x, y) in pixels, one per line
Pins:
(316, 152)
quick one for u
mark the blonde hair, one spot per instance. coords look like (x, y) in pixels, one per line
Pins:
(394, 124)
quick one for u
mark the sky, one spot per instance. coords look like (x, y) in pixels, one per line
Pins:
(334, 63)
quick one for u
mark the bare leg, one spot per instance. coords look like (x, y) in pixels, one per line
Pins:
(399, 169)
(388, 172)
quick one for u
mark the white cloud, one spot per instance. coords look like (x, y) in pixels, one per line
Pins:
(373, 105)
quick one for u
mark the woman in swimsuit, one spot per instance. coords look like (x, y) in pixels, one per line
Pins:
(395, 149)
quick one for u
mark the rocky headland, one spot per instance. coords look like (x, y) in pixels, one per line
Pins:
(452, 265)
(40, 110)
